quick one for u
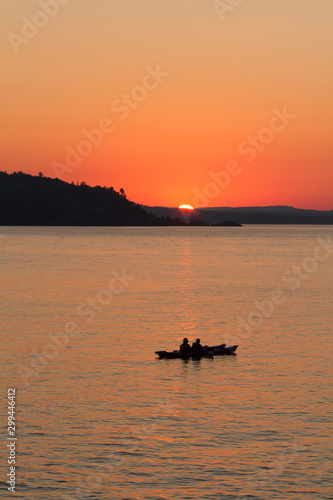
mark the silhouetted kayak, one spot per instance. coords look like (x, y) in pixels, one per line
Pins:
(219, 350)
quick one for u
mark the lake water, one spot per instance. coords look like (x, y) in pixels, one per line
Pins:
(99, 417)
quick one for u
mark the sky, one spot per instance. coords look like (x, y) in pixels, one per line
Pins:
(200, 102)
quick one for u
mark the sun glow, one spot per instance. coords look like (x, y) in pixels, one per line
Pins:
(186, 207)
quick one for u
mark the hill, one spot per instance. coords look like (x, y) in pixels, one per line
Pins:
(42, 201)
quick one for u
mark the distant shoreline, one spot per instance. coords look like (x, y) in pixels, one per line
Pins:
(275, 215)
(27, 200)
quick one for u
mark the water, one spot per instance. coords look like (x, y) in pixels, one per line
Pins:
(99, 417)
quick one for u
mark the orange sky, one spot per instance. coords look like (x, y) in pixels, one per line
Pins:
(179, 89)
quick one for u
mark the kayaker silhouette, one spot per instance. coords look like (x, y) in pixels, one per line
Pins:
(185, 348)
(197, 348)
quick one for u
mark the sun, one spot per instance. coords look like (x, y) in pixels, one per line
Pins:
(186, 207)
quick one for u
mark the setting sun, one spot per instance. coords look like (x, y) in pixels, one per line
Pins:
(186, 207)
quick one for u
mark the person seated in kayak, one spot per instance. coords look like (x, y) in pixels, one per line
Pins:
(197, 348)
(185, 348)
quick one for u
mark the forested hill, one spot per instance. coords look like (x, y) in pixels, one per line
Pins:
(38, 200)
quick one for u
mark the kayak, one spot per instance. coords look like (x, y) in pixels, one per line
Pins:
(209, 352)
